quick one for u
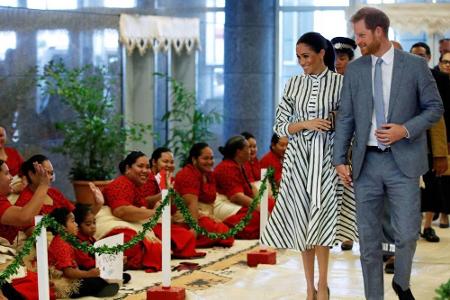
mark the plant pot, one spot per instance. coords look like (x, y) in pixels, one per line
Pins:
(83, 193)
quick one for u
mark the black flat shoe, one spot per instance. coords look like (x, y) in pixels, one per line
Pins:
(430, 235)
(402, 295)
(443, 225)
(347, 245)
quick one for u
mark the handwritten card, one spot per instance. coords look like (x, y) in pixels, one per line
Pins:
(110, 265)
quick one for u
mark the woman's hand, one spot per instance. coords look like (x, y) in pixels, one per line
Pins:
(317, 124)
(42, 176)
(94, 272)
(99, 199)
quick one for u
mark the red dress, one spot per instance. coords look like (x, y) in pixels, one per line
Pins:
(253, 169)
(14, 160)
(183, 240)
(189, 180)
(272, 160)
(145, 254)
(231, 179)
(61, 254)
(10, 232)
(85, 261)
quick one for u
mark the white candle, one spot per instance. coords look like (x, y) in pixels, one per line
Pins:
(42, 262)
(166, 251)
(263, 208)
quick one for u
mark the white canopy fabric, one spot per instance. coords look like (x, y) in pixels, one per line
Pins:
(159, 33)
(432, 18)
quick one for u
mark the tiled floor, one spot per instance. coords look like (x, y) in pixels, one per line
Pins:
(285, 280)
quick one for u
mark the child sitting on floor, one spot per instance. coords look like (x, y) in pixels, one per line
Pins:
(61, 256)
(86, 231)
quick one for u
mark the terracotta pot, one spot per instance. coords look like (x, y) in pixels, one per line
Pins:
(83, 193)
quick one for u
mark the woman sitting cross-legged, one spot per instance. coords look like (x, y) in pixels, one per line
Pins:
(233, 182)
(196, 184)
(53, 199)
(183, 239)
(11, 215)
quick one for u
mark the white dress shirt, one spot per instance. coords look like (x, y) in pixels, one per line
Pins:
(386, 74)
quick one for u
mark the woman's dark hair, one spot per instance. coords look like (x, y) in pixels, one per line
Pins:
(61, 215)
(195, 152)
(81, 211)
(349, 52)
(158, 153)
(248, 135)
(274, 140)
(233, 144)
(27, 166)
(1, 162)
(131, 158)
(317, 42)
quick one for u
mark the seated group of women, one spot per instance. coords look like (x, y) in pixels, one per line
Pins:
(132, 198)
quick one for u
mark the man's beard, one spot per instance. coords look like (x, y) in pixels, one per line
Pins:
(371, 48)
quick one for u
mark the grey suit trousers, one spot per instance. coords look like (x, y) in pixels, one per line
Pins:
(380, 177)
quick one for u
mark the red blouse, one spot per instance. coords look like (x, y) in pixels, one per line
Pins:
(58, 201)
(271, 160)
(14, 160)
(85, 261)
(7, 231)
(4, 205)
(189, 180)
(231, 179)
(150, 187)
(123, 192)
(253, 169)
(61, 254)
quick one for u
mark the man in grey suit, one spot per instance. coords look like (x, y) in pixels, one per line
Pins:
(389, 99)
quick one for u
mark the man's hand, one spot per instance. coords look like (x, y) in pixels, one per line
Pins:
(345, 174)
(440, 165)
(390, 133)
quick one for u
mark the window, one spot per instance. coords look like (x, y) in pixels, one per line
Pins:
(119, 3)
(51, 44)
(293, 24)
(7, 41)
(52, 4)
(314, 2)
(11, 3)
(105, 46)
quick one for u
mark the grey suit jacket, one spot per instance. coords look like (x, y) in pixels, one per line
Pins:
(414, 102)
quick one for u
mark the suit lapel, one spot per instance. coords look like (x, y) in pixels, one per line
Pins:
(397, 70)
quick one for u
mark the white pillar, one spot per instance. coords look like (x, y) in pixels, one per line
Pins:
(42, 262)
(166, 251)
(263, 208)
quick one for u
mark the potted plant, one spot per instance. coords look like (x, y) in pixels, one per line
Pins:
(95, 138)
(188, 124)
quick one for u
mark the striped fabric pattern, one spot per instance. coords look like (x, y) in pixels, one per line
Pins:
(313, 207)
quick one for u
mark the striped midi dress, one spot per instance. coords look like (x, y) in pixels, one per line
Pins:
(313, 206)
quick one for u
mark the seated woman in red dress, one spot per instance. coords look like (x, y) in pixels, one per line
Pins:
(23, 288)
(54, 198)
(253, 166)
(196, 184)
(233, 182)
(14, 160)
(183, 240)
(274, 158)
(10, 155)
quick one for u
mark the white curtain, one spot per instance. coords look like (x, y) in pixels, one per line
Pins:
(148, 35)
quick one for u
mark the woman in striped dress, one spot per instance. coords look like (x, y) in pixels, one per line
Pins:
(308, 216)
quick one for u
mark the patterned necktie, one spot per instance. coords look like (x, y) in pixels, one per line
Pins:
(378, 101)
